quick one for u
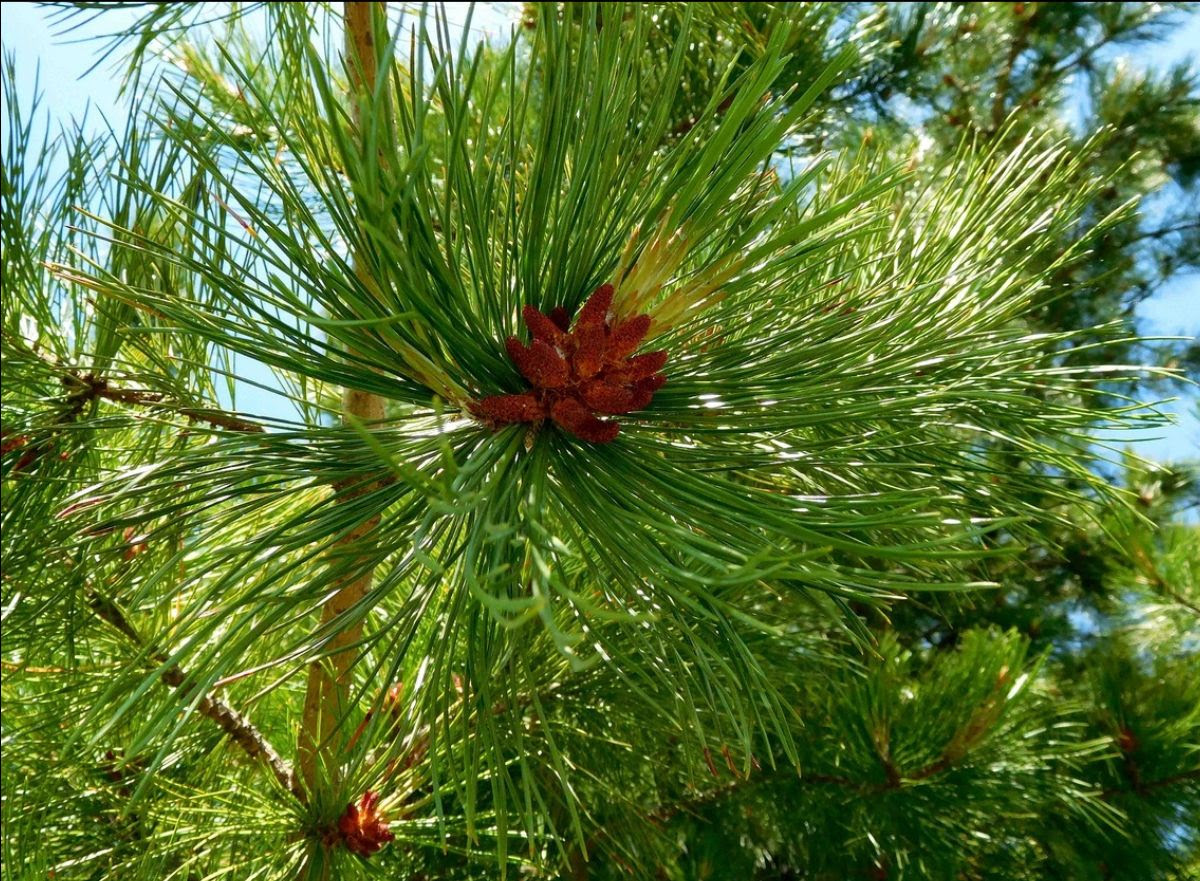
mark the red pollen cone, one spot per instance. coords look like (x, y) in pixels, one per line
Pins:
(510, 408)
(576, 373)
(539, 362)
(627, 336)
(541, 327)
(595, 310)
(362, 828)
(561, 318)
(607, 398)
(577, 419)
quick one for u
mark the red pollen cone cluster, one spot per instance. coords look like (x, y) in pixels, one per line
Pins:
(361, 827)
(576, 373)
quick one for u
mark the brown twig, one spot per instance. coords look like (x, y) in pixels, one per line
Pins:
(90, 388)
(87, 387)
(236, 726)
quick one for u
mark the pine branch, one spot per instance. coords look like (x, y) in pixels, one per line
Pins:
(87, 387)
(236, 726)
(1048, 77)
(92, 388)
(1143, 788)
(1162, 232)
(1060, 71)
(326, 697)
(1180, 600)
(1018, 44)
(1150, 572)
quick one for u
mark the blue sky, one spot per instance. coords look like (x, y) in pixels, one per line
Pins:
(60, 64)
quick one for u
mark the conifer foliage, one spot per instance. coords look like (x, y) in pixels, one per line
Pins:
(658, 443)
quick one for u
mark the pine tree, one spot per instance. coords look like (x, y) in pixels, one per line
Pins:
(683, 463)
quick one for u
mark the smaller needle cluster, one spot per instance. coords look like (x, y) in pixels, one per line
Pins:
(578, 372)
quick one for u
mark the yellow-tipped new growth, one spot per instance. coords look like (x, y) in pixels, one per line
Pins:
(650, 284)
